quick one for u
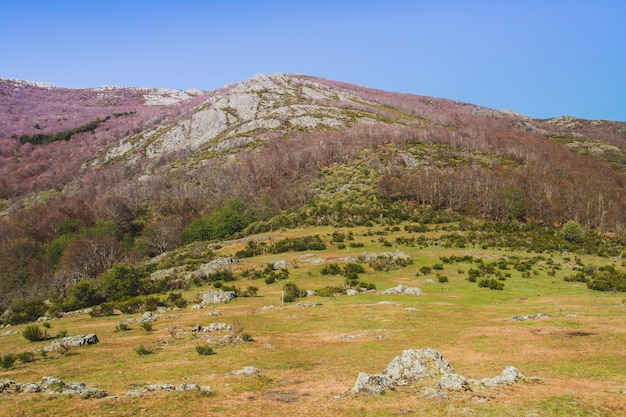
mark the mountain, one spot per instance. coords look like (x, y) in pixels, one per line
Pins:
(147, 168)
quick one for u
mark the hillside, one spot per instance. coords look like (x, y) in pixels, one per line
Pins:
(125, 201)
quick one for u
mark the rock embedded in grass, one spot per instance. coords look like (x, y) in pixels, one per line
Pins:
(415, 365)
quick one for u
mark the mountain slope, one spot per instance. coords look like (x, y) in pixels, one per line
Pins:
(286, 150)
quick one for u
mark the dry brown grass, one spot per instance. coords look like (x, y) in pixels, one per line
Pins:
(307, 369)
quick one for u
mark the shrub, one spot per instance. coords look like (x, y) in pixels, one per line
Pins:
(251, 291)
(330, 291)
(426, 270)
(205, 350)
(442, 278)
(292, 292)
(26, 357)
(34, 334)
(142, 350)
(247, 337)
(7, 361)
(104, 309)
(23, 311)
(147, 326)
(573, 232)
(492, 284)
(331, 269)
(176, 299)
(122, 327)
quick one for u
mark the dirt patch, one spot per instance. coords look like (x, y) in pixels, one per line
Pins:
(285, 396)
(579, 334)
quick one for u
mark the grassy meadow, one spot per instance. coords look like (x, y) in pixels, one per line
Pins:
(310, 351)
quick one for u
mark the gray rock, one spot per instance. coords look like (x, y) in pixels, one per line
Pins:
(510, 375)
(415, 364)
(246, 371)
(213, 327)
(371, 383)
(402, 289)
(215, 297)
(519, 317)
(72, 341)
(282, 264)
(351, 292)
(159, 387)
(187, 387)
(434, 393)
(453, 382)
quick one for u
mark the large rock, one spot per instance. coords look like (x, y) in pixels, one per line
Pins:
(246, 371)
(215, 297)
(371, 383)
(412, 365)
(509, 376)
(425, 364)
(415, 364)
(402, 289)
(72, 341)
(213, 327)
(52, 386)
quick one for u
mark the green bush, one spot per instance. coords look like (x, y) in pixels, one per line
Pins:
(122, 327)
(330, 291)
(205, 350)
(142, 350)
(34, 334)
(223, 222)
(247, 337)
(331, 269)
(292, 292)
(426, 270)
(7, 361)
(492, 284)
(147, 326)
(442, 278)
(573, 232)
(26, 357)
(104, 309)
(23, 311)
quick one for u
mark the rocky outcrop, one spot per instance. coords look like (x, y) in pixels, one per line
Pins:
(215, 297)
(166, 387)
(428, 364)
(519, 317)
(72, 341)
(53, 386)
(246, 371)
(213, 327)
(402, 289)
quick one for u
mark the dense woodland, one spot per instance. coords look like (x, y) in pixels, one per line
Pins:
(426, 161)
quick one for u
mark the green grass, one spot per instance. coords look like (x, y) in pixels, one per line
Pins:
(305, 363)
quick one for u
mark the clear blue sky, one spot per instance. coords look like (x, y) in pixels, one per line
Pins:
(540, 58)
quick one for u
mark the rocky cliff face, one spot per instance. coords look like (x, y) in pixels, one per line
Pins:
(245, 114)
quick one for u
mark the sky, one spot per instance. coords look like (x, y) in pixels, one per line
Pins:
(540, 58)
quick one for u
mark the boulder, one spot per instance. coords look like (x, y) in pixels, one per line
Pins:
(424, 364)
(246, 371)
(72, 341)
(402, 289)
(371, 383)
(520, 317)
(509, 376)
(415, 364)
(453, 382)
(215, 297)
